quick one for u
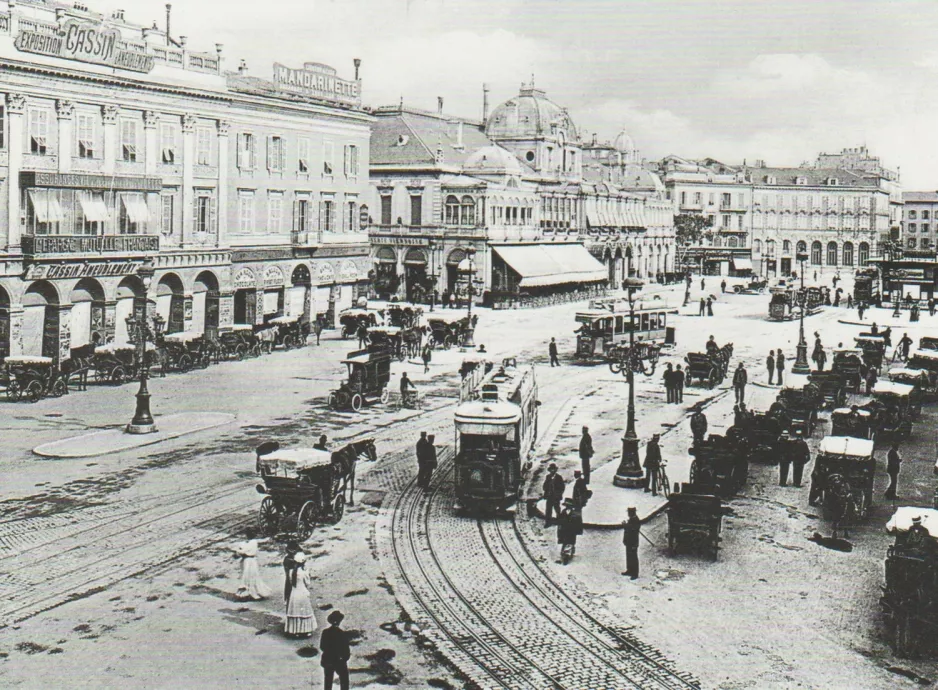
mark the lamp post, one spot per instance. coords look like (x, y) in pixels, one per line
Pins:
(470, 253)
(629, 475)
(801, 365)
(142, 422)
(431, 247)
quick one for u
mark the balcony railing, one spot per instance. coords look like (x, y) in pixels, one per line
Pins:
(90, 244)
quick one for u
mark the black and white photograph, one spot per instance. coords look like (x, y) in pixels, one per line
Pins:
(468, 344)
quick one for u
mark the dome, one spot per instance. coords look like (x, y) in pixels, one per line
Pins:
(624, 143)
(528, 115)
(493, 159)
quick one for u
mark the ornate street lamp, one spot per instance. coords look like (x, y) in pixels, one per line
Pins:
(801, 365)
(431, 246)
(470, 333)
(629, 475)
(137, 329)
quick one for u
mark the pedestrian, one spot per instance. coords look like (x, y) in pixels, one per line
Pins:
(426, 356)
(679, 383)
(652, 465)
(553, 493)
(362, 334)
(837, 298)
(430, 460)
(703, 307)
(874, 329)
(740, 379)
(581, 494)
(698, 426)
(252, 585)
(301, 620)
(321, 444)
(423, 479)
(569, 527)
(849, 301)
(293, 547)
(586, 452)
(723, 285)
(452, 300)
(686, 297)
(712, 348)
(820, 359)
(784, 459)
(893, 462)
(815, 276)
(800, 456)
(335, 652)
(630, 533)
(709, 307)
(668, 378)
(861, 307)
(931, 306)
(703, 283)
(871, 378)
(904, 344)
(770, 365)
(552, 351)
(444, 299)
(779, 366)
(406, 385)
(317, 328)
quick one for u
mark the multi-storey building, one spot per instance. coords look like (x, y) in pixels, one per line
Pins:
(121, 146)
(919, 227)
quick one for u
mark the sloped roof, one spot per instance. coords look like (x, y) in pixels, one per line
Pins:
(815, 177)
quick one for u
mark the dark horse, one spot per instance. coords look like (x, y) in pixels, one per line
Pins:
(346, 458)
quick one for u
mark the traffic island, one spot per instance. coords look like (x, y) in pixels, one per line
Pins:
(116, 440)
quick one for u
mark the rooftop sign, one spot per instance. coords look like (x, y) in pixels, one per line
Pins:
(86, 42)
(317, 81)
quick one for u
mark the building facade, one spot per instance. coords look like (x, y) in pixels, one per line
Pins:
(919, 226)
(243, 192)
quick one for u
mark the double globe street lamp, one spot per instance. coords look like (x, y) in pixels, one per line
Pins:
(139, 332)
(801, 365)
(629, 475)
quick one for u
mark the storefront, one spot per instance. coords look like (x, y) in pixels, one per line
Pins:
(387, 281)
(44, 331)
(205, 304)
(171, 303)
(86, 320)
(415, 275)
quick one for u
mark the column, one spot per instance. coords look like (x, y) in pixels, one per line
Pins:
(16, 106)
(188, 175)
(222, 192)
(109, 118)
(16, 330)
(65, 111)
(151, 141)
(110, 319)
(65, 333)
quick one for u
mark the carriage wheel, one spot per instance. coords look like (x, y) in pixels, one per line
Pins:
(185, 363)
(615, 366)
(288, 343)
(118, 376)
(737, 289)
(385, 396)
(448, 342)
(714, 378)
(240, 351)
(306, 520)
(14, 392)
(268, 517)
(33, 392)
(356, 402)
(59, 388)
(338, 510)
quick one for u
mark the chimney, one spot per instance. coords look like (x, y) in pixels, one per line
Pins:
(358, 64)
(456, 133)
(169, 10)
(439, 105)
(485, 103)
(182, 41)
(243, 68)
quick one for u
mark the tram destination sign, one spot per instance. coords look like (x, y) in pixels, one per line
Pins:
(317, 81)
(83, 41)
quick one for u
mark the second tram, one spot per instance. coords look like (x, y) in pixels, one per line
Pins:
(605, 326)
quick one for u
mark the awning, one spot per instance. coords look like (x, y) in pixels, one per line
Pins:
(620, 218)
(136, 208)
(93, 208)
(593, 219)
(552, 264)
(742, 264)
(46, 206)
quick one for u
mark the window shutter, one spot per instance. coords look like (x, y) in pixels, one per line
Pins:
(195, 213)
(241, 151)
(347, 160)
(252, 152)
(296, 216)
(283, 154)
(213, 212)
(322, 216)
(270, 153)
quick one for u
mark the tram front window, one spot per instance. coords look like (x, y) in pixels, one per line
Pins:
(485, 447)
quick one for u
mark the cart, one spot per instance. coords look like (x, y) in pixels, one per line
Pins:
(781, 304)
(925, 382)
(115, 363)
(704, 368)
(369, 373)
(893, 408)
(182, 350)
(292, 331)
(33, 378)
(857, 422)
(351, 319)
(694, 520)
(389, 338)
(847, 365)
(802, 404)
(763, 434)
(238, 341)
(720, 466)
(874, 349)
(403, 315)
(831, 388)
(755, 286)
(910, 590)
(842, 480)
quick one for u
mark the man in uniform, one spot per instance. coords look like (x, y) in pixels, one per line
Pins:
(740, 378)
(893, 462)
(652, 465)
(553, 493)
(586, 452)
(669, 387)
(630, 533)
(800, 456)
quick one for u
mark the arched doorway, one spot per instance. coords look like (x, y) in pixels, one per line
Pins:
(40, 329)
(456, 257)
(205, 304)
(386, 279)
(831, 253)
(815, 253)
(4, 324)
(415, 275)
(86, 320)
(130, 292)
(170, 303)
(299, 300)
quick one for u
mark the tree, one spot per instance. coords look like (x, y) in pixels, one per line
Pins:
(691, 229)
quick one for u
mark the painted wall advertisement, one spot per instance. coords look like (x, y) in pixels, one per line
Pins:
(86, 42)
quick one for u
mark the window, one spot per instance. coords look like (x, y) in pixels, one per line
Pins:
(683, 198)
(275, 153)
(815, 253)
(301, 216)
(133, 213)
(912, 215)
(416, 209)
(203, 146)
(129, 141)
(726, 200)
(770, 248)
(167, 213)
(452, 210)
(911, 243)
(302, 154)
(786, 247)
(351, 216)
(92, 213)
(725, 220)
(742, 201)
(912, 227)
(275, 212)
(711, 199)
(848, 254)
(831, 253)
(864, 253)
(924, 227)
(246, 212)
(204, 209)
(328, 156)
(698, 198)
(467, 214)
(832, 182)
(351, 161)
(168, 143)
(85, 135)
(327, 215)
(801, 248)
(757, 246)
(732, 242)
(924, 215)
(717, 241)
(925, 242)
(385, 209)
(38, 131)
(801, 180)
(247, 153)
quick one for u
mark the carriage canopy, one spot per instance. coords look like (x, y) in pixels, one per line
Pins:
(902, 520)
(295, 460)
(846, 447)
(486, 418)
(902, 390)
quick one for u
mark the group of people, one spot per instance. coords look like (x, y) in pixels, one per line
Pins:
(569, 519)
(426, 459)
(775, 362)
(674, 381)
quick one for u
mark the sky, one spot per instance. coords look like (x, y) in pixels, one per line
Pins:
(728, 79)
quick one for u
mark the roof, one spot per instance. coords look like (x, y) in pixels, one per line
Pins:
(487, 412)
(846, 445)
(529, 115)
(920, 197)
(814, 177)
(892, 388)
(297, 459)
(901, 521)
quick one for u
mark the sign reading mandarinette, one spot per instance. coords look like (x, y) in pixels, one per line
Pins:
(86, 42)
(317, 81)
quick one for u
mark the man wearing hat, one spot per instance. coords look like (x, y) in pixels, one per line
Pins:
(740, 379)
(335, 652)
(581, 494)
(630, 540)
(553, 493)
(586, 452)
(784, 459)
(569, 527)
(800, 456)
(893, 462)
(652, 465)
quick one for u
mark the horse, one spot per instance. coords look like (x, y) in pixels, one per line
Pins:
(78, 366)
(267, 338)
(346, 458)
(840, 503)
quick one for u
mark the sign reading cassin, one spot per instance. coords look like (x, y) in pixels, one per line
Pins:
(317, 81)
(86, 42)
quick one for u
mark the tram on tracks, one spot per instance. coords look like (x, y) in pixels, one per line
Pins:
(604, 329)
(496, 429)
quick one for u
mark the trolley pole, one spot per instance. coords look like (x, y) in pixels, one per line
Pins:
(629, 474)
(801, 365)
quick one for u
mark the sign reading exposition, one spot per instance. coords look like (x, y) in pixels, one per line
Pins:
(317, 81)
(86, 42)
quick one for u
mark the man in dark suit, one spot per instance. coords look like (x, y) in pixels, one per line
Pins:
(553, 493)
(586, 452)
(552, 351)
(335, 652)
(630, 540)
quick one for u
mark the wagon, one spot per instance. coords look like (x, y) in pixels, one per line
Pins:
(873, 347)
(183, 350)
(842, 479)
(292, 331)
(351, 319)
(704, 368)
(910, 590)
(893, 407)
(925, 381)
(753, 287)
(115, 363)
(763, 435)
(802, 404)
(403, 315)
(33, 378)
(239, 341)
(858, 423)
(389, 338)
(924, 359)
(847, 365)
(831, 388)
(694, 520)
(720, 466)
(446, 333)
(369, 373)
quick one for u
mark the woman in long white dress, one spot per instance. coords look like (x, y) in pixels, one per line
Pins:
(301, 620)
(252, 586)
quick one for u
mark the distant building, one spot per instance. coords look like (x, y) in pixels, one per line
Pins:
(919, 227)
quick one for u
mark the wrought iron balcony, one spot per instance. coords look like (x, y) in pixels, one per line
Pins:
(35, 245)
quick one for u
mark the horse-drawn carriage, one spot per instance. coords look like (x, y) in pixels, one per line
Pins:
(831, 388)
(893, 408)
(351, 319)
(33, 378)
(292, 331)
(873, 348)
(389, 338)
(694, 520)
(709, 369)
(802, 404)
(183, 350)
(910, 590)
(403, 315)
(925, 381)
(762, 433)
(304, 487)
(642, 359)
(842, 480)
(924, 359)
(855, 421)
(720, 466)
(116, 363)
(369, 372)
(446, 333)
(848, 365)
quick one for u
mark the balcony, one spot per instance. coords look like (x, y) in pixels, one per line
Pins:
(67, 245)
(457, 231)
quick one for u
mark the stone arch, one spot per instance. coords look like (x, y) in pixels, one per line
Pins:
(41, 330)
(86, 320)
(170, 302)
(301, 275)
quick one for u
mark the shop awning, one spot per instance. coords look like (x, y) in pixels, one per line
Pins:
(46, 206)
(593, 219)
(136, 208)
(742, 264)
(620, 218)
(540, 265)
(93, 208)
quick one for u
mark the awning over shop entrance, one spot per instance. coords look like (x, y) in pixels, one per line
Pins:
(552, 264)
(742, 264)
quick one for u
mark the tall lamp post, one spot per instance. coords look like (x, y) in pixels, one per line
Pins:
(431, 249)
(801, 365)
(142, 422)
(470, 253)
(629, 475)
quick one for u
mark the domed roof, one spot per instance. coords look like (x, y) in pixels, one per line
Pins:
(493, 159)
(528, 115)
(624, 143)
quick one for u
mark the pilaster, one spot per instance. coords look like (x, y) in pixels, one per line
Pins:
(16, 107)
(65, 111)
(188, 176)
(222, 237)
(151, 121)
(109, 118)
